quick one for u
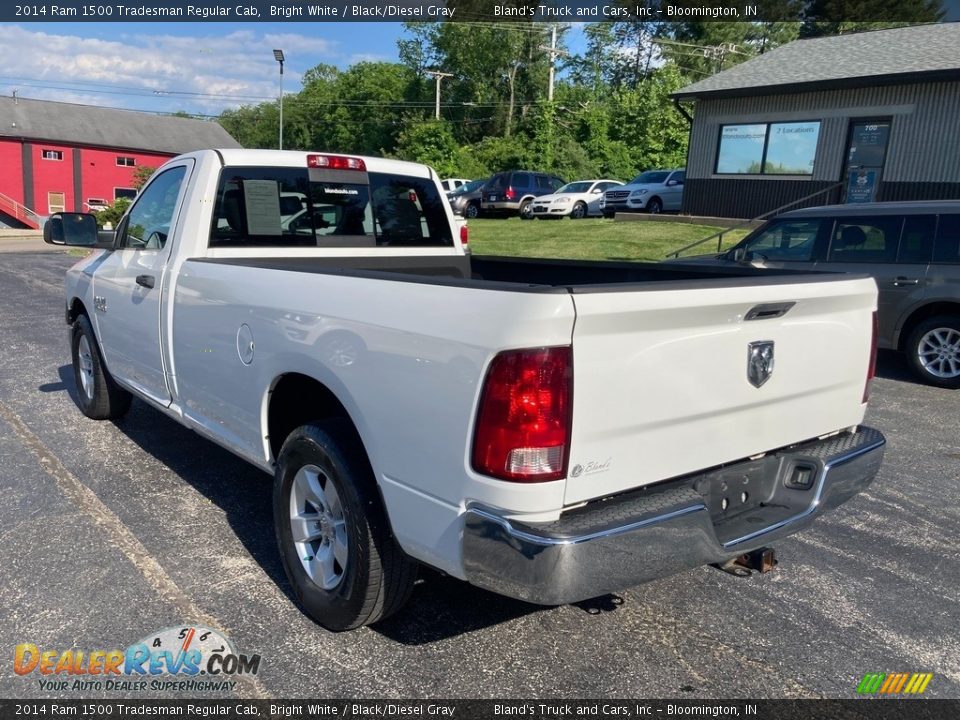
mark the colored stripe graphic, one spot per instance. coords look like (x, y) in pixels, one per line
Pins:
(870, 683)
(894, 683)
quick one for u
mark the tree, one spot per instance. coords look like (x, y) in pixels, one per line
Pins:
(112, 213)
(836, 17)
(141, 175)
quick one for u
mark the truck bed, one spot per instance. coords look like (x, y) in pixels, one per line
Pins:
(533, 274)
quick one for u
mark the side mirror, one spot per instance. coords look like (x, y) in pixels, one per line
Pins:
(739, 254)
(671, 183)
(596, 191)
(71, 229)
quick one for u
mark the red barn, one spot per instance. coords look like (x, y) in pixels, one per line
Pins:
(58, 156)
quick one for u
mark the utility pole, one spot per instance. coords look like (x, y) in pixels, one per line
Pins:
(554, 51)
(439, 76)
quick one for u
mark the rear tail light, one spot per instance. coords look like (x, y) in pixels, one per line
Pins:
(523, 424)
(336, 162)
(510, 194)
(872, 367)
(464, 235)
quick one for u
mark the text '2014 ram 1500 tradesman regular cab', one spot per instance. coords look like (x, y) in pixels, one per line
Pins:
(549, 430)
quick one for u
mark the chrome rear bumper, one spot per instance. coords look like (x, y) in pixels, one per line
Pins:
(619, 542)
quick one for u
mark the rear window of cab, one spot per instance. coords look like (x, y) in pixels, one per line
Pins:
(301, 207)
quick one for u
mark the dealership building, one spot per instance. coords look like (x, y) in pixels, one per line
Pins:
(858, 118)
(59, 156)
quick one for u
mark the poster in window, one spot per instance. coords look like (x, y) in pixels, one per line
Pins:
(262, 200)
(861, 186)
(741, 149)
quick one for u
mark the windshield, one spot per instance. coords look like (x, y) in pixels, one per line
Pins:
(471, 186)
(650, 177)
(576, 187)
(782, 240)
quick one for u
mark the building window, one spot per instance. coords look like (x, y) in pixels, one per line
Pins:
(768, 148)
(128, 193)
(52, 154)
(126, 161)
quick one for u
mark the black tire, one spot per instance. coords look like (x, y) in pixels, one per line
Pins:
(471, 211)
(526, 210)
(579, 211)
(654, 206)
(98, 395)
(376, 577)
(933, 350)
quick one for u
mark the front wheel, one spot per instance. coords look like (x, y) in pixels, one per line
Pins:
(345, 567)
(471, 211)
(934, 351)
(526, 210)
(98, 396)
(579, 211)
(654, 206)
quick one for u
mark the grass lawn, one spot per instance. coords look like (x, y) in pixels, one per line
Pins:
(590, 239)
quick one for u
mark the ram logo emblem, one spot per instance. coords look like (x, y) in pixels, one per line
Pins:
(759, 362)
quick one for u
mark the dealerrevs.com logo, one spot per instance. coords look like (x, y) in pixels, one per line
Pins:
(192, 658)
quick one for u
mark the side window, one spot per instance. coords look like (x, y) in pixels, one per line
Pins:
(947, 249)
(679, 177)
(522, 180)
(789, 241)
(916, 243)
(865, 239)
(544, 182)
(151, 216)
(556, 183)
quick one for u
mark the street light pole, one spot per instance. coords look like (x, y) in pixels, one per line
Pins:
(278, 56)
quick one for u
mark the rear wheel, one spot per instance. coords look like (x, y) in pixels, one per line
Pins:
(654, 206)
(934, 351)
(98, 396)
(345, 567)
(579, 211)
(526, 210)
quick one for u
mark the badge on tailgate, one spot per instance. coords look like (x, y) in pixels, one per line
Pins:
(759, 362)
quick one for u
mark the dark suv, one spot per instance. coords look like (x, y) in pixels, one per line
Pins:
(514, 191)
(912, 249)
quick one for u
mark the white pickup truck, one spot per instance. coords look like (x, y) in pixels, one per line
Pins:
(549, 430)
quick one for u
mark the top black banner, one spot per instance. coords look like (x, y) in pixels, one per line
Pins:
(548, 11)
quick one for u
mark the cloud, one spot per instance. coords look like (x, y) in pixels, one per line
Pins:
(139, 70)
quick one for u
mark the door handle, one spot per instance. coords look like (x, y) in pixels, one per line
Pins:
(901, 281)
(147, 281)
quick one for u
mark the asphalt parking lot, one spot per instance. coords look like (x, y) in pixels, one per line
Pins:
(113, 531)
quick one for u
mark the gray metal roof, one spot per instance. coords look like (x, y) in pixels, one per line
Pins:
(107, 127)
(879, 57)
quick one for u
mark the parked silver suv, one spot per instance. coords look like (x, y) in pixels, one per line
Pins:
(912, 249)
(653, 191)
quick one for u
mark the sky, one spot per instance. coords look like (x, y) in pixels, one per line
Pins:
(199, 68)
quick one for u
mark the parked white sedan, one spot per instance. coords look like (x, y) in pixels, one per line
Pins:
(577, 199)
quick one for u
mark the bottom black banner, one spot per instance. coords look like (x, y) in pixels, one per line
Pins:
(917, 709)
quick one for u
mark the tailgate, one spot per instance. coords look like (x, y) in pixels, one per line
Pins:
(661, 383)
